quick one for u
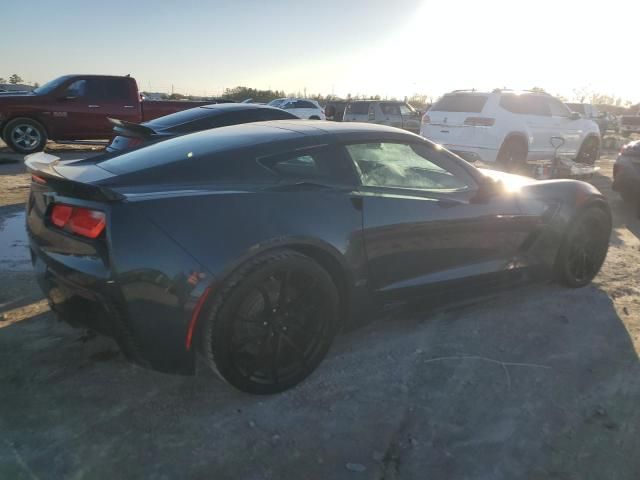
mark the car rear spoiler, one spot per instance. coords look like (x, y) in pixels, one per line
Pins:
(70, 180)
(130, 128)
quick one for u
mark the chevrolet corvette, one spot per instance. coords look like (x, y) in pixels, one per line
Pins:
(247, 248)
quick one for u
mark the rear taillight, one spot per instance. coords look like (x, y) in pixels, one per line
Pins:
(479, 121)
(37, 179)
(425, 119)
(80, 221)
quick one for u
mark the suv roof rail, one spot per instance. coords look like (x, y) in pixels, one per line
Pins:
(540, 92)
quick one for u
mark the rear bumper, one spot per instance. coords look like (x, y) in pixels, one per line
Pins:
(145, 319)
(473, 154)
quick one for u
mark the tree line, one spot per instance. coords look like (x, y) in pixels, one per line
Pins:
(14, 79)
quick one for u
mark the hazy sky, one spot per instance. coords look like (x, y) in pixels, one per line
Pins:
(387, 47)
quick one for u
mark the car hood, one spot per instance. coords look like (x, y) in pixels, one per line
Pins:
(511, 181)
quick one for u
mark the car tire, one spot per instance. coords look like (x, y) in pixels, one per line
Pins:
(589, 151)
(513, 154)
(584, 248)
(272, 322)
(24, 135)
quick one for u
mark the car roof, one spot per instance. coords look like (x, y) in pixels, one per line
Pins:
(497, 91)
(232, 107)
(275, 131)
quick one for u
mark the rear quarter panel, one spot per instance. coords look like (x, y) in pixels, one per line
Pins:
(223, 230)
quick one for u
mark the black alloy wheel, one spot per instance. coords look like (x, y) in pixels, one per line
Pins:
(273, 323)
(584, 249)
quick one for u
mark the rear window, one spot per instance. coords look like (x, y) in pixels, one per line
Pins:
(360, 108)
(460, 102)
(190, 115)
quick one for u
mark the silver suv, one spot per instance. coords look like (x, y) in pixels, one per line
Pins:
(394, 114)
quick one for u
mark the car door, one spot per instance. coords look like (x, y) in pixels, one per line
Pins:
(89, 101)
(425, 226)
(110, 97)
(566, 127)
(531, 116)
(390, 115)
(71, 115)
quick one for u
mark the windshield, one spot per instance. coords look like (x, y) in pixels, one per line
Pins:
(277, 103)
(51, 85)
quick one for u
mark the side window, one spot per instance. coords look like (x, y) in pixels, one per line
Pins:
(406, 110)
(358, 108)
(413, 166)
(116, 89)
(304, 104)
(557, 108)
(321, 164)
(302, 166)
(525, 104)
(77, 89)
(390, 108)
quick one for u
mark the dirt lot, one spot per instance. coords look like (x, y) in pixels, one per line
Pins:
(538, 383)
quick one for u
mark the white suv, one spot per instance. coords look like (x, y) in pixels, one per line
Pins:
(509, 127)
(300, 107)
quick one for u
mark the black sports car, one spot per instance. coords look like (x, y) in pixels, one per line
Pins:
(252, 245)
(130, 135)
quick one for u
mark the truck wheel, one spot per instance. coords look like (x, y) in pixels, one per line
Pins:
(513, 154)
(24, 135)
(589, 151)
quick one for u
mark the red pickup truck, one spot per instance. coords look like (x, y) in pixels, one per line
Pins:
(76, 107)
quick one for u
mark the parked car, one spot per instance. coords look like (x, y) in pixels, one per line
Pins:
(334, 109)
(76, 107)
(383, 112)
(604, 120)
(300, 107)
(131, 135)
(626, 173)
(629, 124)
(509, 127)
(253, 245)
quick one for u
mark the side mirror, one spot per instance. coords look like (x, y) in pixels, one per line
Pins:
(487, 189)
(575, 116)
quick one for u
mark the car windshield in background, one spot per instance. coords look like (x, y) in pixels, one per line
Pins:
(277, 103)
(460, 102)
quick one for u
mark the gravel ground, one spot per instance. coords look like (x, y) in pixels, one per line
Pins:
(537, 383)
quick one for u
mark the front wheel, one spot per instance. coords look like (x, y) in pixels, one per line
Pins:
(24, 135)
(584, 248)
(272, 323)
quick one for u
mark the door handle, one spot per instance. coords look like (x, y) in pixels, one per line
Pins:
(93, 106)
(128, 106)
